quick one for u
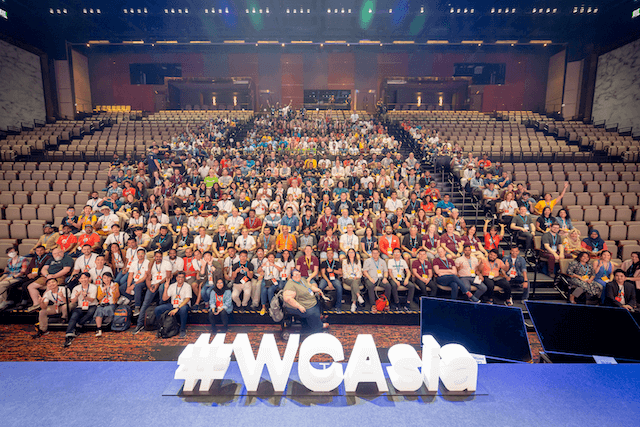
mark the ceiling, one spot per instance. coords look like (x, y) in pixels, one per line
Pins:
(48, 24)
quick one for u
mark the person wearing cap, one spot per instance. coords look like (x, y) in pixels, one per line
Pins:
(47, 240)
(104, 223)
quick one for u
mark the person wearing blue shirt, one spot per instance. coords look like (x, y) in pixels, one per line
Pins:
(516, 271)
(291, 220)
(446, 205)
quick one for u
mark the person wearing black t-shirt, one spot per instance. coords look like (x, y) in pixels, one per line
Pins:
(241, 276)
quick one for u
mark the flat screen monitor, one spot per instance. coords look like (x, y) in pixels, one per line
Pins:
(586, 330)
(497, 332)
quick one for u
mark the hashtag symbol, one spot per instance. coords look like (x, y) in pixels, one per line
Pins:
(203, 361)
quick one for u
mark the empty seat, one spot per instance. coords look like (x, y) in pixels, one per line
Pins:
(617, 232)
(18, 230)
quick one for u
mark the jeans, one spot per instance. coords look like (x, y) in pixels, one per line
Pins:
(311, 322)
(80, 317)
(267, 293)
(337, 285)
(183, 313)
(205, 292)
(481, 288)
(222, 317)
(501, 282)
(149, 298)
(121, 278)
(454, 282)
(518, 281)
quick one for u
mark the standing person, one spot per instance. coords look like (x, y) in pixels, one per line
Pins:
(220, 305)
(331, 273)
(159, 274)
(352, 277)
(272, 281)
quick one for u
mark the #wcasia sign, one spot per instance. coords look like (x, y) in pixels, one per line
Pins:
(205, 362)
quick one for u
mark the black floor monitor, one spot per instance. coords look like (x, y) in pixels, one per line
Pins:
(586, 330)
(494, 331)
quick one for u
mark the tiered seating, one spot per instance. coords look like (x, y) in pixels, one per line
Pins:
(32, 194)
(113, 108)
(337, 114)
(438, 116)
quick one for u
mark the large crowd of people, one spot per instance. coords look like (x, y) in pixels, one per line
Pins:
(325, 211)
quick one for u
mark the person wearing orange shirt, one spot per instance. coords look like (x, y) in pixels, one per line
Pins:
(285, 240)
(388, 243)
(67, 241)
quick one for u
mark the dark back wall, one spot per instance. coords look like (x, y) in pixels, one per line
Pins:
(281, 74)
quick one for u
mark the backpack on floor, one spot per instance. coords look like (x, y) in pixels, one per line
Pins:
(121, 319)
(275, 307)
(382, 303)
(150, 323)
(168, 326)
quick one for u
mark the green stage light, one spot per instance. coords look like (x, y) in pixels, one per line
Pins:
(366, 13)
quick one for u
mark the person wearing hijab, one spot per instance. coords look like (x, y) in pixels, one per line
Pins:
(220, 305)
(594, 244)
(572, 244)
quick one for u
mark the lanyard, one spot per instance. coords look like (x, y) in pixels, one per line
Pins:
(523, 218)
(223, 240)
(414, 242)
(453, 238)
(555, 238)
(369, 244)
(445, 262)
(424, 267)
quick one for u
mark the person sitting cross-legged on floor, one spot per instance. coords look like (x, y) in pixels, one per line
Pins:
(175, 300)
(83, 297)
(220, 305)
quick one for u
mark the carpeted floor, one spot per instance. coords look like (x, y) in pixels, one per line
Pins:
(124, 346)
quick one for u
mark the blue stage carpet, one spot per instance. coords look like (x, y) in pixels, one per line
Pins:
(130, 394)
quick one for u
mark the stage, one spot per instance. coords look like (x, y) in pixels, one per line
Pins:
(131, 393)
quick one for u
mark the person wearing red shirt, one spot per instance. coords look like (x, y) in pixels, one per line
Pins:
(89, 237)
(67, 241)
(492, 238)
(128, 189)
(388, 243)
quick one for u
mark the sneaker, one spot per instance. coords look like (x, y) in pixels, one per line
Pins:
(71, 335)
(509, 302)
(353, 307)
(24, 303)
(475, 299)
(360, 300)
(67, 342)
(39, 333)
(183, 334)
(4, 305)
(138, 329)
(136, 312)
(263, 311)
(338, 310)
(32, 308)
(406, 307)
(99, 333)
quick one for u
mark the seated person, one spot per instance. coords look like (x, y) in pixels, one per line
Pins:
(107, 296)
(58, 267)
(47, 240)
(594, 244)
(162, 242)
(352, 277)
(580, 275)
(631, 267)
(522, 224)
(175, 300)
(15, 272)
(220, 305)
(308, 265)
(67, 241)
(241, 275)
(399, 275)
(544, 221)
(299, 300)
(447, 275)
(83, 298)
(272, 280)
(88, 237)
(553, 250)
(492, 270)
(422, 275)
(620, 293)
(53, 302)
(469, 273)
(159, 274)
(515, 268)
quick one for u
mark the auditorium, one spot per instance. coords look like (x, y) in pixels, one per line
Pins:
(269, 212)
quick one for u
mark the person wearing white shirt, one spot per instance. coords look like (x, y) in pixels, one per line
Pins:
(177, 263)
(153, 228)
(85, 262)
(235, 222)
(84, 295)
(246, 242)
(399, 275)
(349, 240)
(203, 241)
(176, 300)
(162, 217)
(337, 171)
(116, 236)
(225, 205)
(107, 297)
(196, 220)
(106, 220)
(159, 274)
(137, 277)
(99, 269)
(393, 204)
